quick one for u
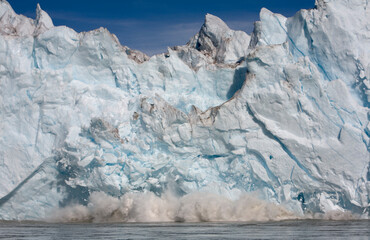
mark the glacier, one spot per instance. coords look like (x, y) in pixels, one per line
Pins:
(282, 114)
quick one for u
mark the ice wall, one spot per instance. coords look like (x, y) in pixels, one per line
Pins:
(283, 113)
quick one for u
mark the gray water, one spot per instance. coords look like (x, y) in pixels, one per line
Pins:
(305, 229)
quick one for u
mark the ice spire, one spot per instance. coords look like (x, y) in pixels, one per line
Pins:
(217, 40)
(43, 21)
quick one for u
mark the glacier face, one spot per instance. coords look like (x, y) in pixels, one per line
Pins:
(283, 113)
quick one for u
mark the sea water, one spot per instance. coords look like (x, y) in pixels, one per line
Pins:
(299, 229)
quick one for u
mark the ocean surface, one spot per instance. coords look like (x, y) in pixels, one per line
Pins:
(302, 229)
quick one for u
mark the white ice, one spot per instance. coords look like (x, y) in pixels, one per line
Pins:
(283, 113)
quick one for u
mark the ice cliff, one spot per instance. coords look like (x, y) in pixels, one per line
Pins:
(283, 114)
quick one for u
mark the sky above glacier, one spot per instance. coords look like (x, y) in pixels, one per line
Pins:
(151, 26)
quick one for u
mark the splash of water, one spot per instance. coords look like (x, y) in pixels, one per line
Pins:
(194, 207)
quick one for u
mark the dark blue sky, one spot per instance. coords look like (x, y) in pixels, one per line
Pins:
(151, 26)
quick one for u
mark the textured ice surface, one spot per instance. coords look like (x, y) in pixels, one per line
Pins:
(283, 113)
